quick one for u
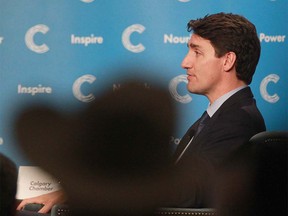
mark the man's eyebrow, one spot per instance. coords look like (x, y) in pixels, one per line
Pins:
(192, 45)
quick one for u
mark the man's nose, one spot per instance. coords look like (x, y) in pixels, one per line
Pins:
(186, 62)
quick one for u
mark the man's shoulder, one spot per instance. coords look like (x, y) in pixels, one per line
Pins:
(242, 115)
(243, 96)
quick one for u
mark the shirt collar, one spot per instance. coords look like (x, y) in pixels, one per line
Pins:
(212, 108)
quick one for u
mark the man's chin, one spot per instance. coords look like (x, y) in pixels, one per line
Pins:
(194, 91)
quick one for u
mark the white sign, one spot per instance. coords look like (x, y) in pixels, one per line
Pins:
(33, 181)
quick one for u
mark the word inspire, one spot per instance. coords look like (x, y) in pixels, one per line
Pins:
(40, 186)
(86, 40)
(34, 90)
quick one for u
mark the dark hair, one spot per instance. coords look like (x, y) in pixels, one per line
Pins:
(230, 32)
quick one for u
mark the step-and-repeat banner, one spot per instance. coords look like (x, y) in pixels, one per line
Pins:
(69, 51)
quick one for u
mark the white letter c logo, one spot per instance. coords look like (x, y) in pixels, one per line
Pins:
(77, 88)
(263, 88)
(126, 38)
(29, 38)
(173, 89)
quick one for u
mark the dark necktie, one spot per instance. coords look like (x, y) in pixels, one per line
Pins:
(203, 120)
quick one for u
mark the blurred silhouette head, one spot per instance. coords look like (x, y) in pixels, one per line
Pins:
(112, 157)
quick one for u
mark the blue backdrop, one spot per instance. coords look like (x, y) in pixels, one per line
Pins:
(59, 51)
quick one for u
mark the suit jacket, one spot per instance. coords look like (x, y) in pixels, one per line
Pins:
(231, 126)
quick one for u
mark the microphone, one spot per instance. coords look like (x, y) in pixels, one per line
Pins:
(190, 135)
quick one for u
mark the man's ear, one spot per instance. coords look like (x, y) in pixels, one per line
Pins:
(229, 61)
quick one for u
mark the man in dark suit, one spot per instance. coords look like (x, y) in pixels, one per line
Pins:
(223, 54)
